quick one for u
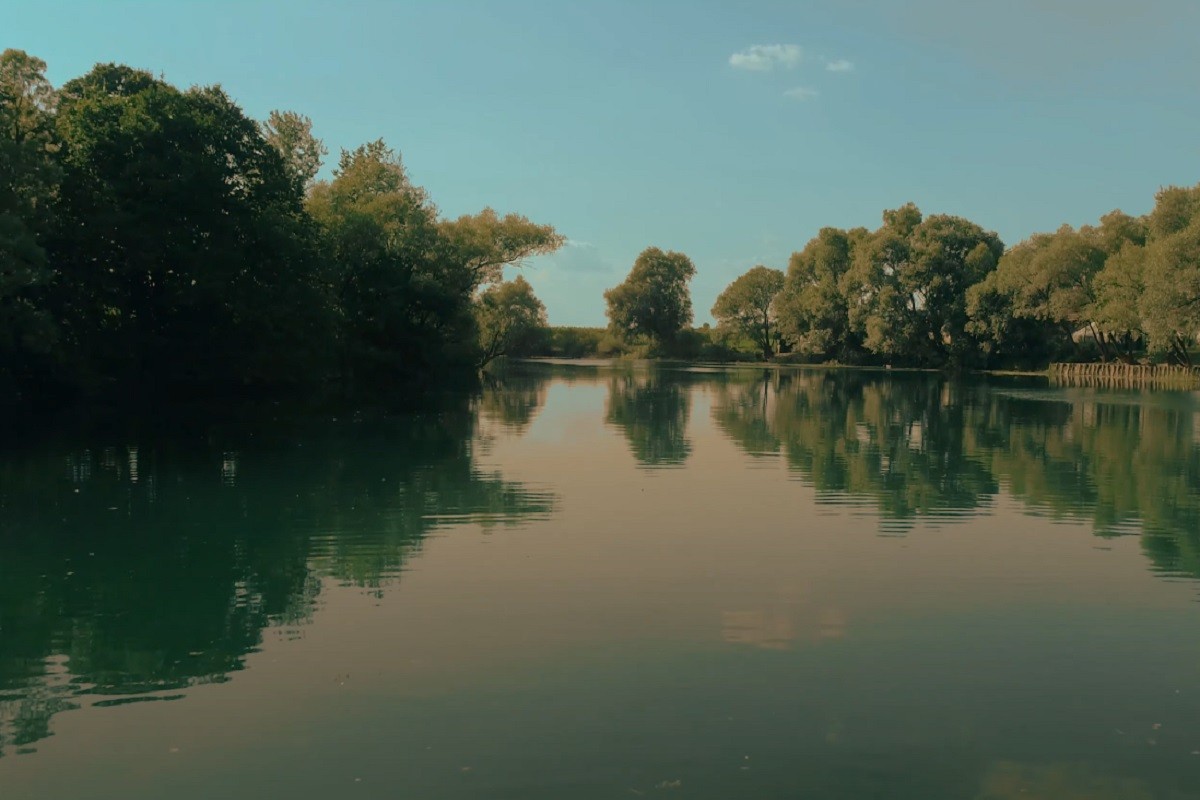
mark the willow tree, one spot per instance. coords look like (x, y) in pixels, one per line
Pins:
(510, 318)
(747, 306)
(1170, 306)
(907, 289)
(1056, 280)
(813, 312)
(653, 301)
(405, 281)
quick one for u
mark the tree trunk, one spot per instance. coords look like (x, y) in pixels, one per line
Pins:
(1100, 341)
(1181, 351)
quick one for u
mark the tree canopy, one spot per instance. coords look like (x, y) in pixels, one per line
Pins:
(654, 300)
(510, 317)
(291, 135)
(153, 237)
(747, 306)
(29, 181)
(1170, 305)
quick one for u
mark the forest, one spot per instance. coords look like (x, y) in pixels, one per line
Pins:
(938, 291)
(157, 240)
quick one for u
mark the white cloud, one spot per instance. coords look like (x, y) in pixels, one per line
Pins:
(839, 65)
(801, 93)
(766, 57)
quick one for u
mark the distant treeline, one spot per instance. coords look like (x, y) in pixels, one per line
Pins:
(937, 291)
(156, 239)
(694, 344)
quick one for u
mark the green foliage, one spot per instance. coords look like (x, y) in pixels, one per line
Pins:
(403, 307)
(573, 342)
(1006, 339)
(747, 306)
(907, 288)
(1070, 281)
(1119, 289)
(485, 243)
(160, 239)
(1050, 277)
(404, 281)
(1170, 306)
(157, 238)
(182, 252)
(653, 302)
(29, 178)
(510, 319)
(813, 311)
(291, 135)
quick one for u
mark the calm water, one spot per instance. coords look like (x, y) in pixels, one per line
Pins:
(596, 582)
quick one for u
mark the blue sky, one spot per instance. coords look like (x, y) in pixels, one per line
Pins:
(729, 131)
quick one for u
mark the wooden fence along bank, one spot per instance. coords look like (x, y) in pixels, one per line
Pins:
(1161, 376)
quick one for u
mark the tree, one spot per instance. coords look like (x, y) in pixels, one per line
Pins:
(485, 243)
(1170, 306)
(1052, 280)
(29, 177)
(182, 249)
(291, 135)
(654, 300)
(747, 306)
(1006, 338)
(907, 290)
(400, 307)
(813, 312)
(405, 281)
(509, 316)
(1120, 286)
(1052, 286)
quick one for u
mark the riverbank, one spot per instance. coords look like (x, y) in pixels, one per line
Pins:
(1115, 375)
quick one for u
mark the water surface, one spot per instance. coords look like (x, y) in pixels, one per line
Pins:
(595, 581)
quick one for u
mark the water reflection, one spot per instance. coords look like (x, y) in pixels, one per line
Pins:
(922, 447)
(651, 408)
(134, 566)
(142, 569)
(513, 396)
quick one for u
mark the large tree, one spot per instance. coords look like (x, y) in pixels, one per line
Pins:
(747, 306)
(1055, 281)
(813, 312)
(907, 290)
(405, 281)
(654, 300)
(29, 178)
(404, 312)
(182, 249)
(1170, 306)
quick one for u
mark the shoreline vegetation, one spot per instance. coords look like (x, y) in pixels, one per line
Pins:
(156, 242)
(1090, 374)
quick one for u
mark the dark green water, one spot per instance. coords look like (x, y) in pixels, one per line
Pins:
(610, 583)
